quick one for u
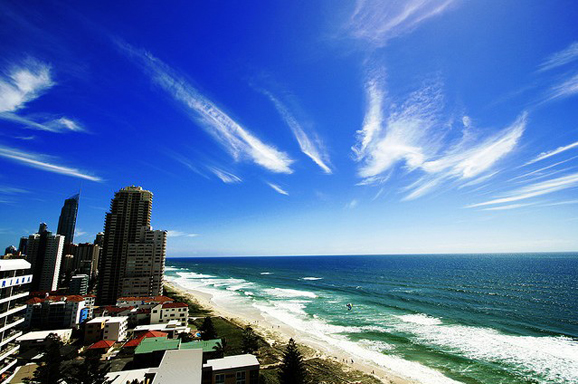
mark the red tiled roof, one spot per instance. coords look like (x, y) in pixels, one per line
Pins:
(174, 305)
(147, 334)
(115, 309)
(102, 344)
(149, 299)
(143, 310)
(71, 298)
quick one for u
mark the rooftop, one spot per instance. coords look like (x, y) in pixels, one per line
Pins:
(41, 335)
(102, 344)
(177, 365)
(156, 344)
(13, 264)
(108, 319)
(232, 362)
(175, 305)
(146, 299)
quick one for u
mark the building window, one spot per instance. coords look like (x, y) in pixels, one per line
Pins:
(241, 377)
(220, 379)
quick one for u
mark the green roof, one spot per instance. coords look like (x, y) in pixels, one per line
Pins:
(206, 345)
(153, 344)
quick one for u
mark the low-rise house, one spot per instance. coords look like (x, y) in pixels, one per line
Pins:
(106, 328)
(150, 351)
(56, 312)
(101, 347)
(163, 313)
(139, 337)
(173, 328)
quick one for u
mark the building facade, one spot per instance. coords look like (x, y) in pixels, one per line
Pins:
(132, 258)
(86, 259)
(44, 252)
(67, 221)
(15, 278)
(56, 312)
(163, 313)
(145, 264)
(78, 285)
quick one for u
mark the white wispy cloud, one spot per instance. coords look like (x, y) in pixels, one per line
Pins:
(12, 190)
(352, 204)
(40, 161)
(278, 189)
(566, 88)
(22, 84)
(311, 147)
(560, 58)
(226, 177)
(507, 207)
(58, 125)
(413, 134)
(378, 22)
(534, 190)
(237, 140)
(175, 233)
(554, 152)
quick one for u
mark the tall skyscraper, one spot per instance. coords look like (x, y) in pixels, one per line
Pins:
(67, 221)
(127, 227)
(45, 254)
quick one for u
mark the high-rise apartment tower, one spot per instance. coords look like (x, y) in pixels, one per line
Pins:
(125, 257)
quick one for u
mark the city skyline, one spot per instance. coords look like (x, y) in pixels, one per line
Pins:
(438, 127)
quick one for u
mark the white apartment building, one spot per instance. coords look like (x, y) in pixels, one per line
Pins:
(163, 313)
(15, 276)
(106, 328)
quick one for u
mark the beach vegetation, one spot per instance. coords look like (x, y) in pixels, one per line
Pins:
(250, 340)
(292, 370)
(207, 329)
(221, 348)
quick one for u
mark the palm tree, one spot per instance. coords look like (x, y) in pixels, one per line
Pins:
(220, 348)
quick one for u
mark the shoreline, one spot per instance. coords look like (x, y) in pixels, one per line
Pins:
(276, 332)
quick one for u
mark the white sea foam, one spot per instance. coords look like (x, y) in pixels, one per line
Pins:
(193, 275)
(332, 335)
(266, 273)
(420, 318)
(169, 268)
(312, 278)
(283, 292)
(555, 359)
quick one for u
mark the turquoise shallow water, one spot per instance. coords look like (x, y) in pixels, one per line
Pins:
(473, 318)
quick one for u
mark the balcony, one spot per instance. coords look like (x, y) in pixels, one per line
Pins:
(10, 349)
(15, 321)
(13, 311)
(7, 364)
(10, 336)
(14, 297)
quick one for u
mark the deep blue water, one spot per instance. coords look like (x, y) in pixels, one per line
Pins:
(473, 318)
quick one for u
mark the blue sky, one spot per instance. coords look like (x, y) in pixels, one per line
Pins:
(273, 128)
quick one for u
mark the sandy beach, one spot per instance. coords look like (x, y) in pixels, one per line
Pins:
(277, 332)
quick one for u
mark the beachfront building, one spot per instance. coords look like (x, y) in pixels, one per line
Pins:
(133, 255)
(239, 369)
(44, 252)
(150, 351)
(56, 312)
(163, 313)
(106, 328)
(15, 278)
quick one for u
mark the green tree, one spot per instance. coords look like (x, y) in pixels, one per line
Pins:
(89, 371)
(292, 370)
(250, 341)
(185, 337)
(207, 329)
(221, 348)
(49, 372)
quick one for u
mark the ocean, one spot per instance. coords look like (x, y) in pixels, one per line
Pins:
(499, 318)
